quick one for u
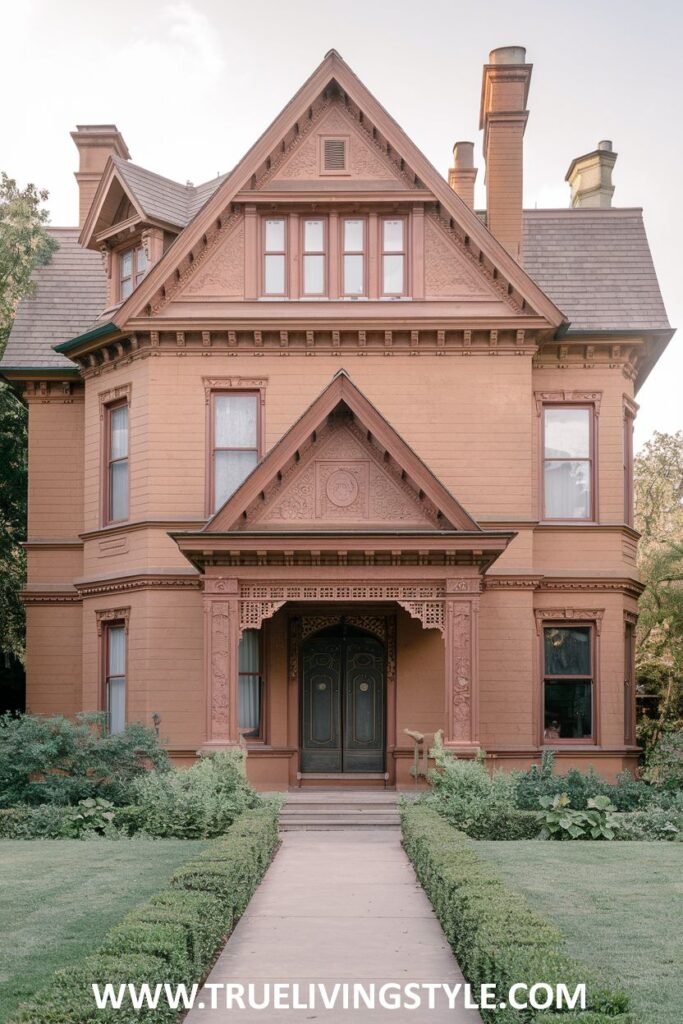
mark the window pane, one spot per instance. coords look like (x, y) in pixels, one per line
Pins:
(235, 423)
(118, 432)
(118, 490)
(567, 433)
(116, 699)
(314, 275)
(393, 235)
(127, 263)
(249, 651)
(275, 235)
(275, 275)
(313, 236)
(231, 468)
(140, 260)
(126, 288)
(117, 651)
(353, 275)
(353, 236)
(567, 651)
(393, 275)
(567, 490)
(250, 704)
(568, 710)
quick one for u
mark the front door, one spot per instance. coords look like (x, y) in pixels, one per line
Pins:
(342, 702)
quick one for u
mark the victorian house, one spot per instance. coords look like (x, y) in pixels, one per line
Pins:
(318, 453)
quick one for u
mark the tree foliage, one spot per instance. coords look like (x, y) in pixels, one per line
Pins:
(24, 245)
(659, 517)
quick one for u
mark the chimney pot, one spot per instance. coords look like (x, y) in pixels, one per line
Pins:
(508, 55)
(590, 177)
(463, 174)
(95, 144)
(463, 155)
(605, 144)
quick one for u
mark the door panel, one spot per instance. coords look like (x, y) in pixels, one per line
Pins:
(342, 724)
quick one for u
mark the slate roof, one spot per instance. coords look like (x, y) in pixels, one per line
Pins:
(596, 266)
(70, 293)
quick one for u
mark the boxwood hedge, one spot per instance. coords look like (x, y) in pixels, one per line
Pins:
(171, 938)
(494, 932)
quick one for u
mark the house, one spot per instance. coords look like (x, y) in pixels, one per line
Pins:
(318, 453)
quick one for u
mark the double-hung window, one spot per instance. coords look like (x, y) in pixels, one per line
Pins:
(568, 462)
(115, 677)
(353, 256)
(314, 257)
(568, 677)
(116, 449)
(235, 441)
(275, 256)
(393, 241)
(250, 684)
(132, 268)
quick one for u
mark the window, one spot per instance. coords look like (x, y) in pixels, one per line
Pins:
(393, 256)
(275, 256)
(115, 677)
(567, 683)
(568, 462)
(629, 416)
(353, 256)
(132, 267)
(629, 682)
(315, 276)
(235, 448)
(250, 684)
(333, 156)
(116, 482)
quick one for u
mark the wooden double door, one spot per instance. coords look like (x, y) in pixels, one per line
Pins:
(343, 701)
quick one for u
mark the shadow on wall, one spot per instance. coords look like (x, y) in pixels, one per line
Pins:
(12, 684)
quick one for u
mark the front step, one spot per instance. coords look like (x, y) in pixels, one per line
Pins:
(339, 809)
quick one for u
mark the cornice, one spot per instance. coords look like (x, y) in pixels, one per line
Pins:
(51, 391)
(563, 584)
(155, 523)
(35, 594)
(137, 581)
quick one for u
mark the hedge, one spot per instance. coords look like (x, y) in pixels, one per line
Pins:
(171, 938)
(494, 932)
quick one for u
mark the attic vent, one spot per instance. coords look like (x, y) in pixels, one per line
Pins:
(334, 154)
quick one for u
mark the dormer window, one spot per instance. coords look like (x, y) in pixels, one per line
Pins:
(132, 268)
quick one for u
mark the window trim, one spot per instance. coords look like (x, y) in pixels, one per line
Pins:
(324, 252)
(132, 247)
(343, 252)
(335, 172)
(630, 710)
(630, 412)
(403, 252)
(592, 407)
(273, 252)
(218, 387)
(112, 618)
(545, 620)
(107, 409)
(261, 738)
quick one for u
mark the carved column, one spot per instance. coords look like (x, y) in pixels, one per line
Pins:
(221, 666)
(461, 636)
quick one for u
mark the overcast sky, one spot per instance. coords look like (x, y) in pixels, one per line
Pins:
(191, 84)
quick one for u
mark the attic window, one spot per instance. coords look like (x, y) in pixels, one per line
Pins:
(334, 155)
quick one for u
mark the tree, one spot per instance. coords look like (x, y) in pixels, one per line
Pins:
(658, 480)
(24, 245)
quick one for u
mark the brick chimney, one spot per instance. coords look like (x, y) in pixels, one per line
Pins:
(95, 144)
(505, 88)
(463, 173)
(590, 177)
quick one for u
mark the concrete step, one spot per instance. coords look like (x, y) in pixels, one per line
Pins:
(320, 823)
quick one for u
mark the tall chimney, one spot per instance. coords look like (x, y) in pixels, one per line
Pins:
(463, 173)
(504, 93)
(95, 144)
(590, 177)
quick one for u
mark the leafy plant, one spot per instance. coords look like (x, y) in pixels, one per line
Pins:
(93, 814)
(664, 766)
(561, 821)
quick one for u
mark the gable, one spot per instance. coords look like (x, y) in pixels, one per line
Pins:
(221, 272)
(448, 273)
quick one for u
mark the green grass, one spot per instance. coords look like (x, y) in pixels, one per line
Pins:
(620, 906)
(58, 898)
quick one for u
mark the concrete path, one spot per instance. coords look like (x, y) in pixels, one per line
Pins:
(334, 908)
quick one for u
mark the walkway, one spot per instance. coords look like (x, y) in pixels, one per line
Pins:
(337, 907)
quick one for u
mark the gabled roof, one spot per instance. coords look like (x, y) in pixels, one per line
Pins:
(237, 513)
(70, 292)
(333, 71)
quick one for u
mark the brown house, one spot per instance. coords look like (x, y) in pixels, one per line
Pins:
(319, 454)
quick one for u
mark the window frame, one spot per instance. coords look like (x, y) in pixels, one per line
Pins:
(630, 411)
(324, 252)
(258, 395)
(106, 621)
(403, 252)
(343, 252)
(337, 172)
(107, 462)
(630, 711)
(274, 252)
(135, 277)
(592, 460)
(573, 623)
(261, 737)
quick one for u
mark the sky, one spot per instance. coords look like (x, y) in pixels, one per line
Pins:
(192, 83)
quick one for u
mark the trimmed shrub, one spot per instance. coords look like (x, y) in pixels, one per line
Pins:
(171, 938)
(656, 824)
(59, 761)
(539, 781)
(495, 934)
(665, 762)
(46, 822)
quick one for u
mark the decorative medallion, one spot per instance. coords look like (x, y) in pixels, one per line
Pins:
(342, 488)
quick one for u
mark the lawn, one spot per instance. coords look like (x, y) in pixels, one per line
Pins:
(620, 906)
(58, 898)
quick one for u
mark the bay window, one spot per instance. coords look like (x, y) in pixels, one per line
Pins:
(568, 462)
(353, 256)
(393, 241)
(314, 257)
(250, 684)
(235, 441)
(116, 452)
(568, 678)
